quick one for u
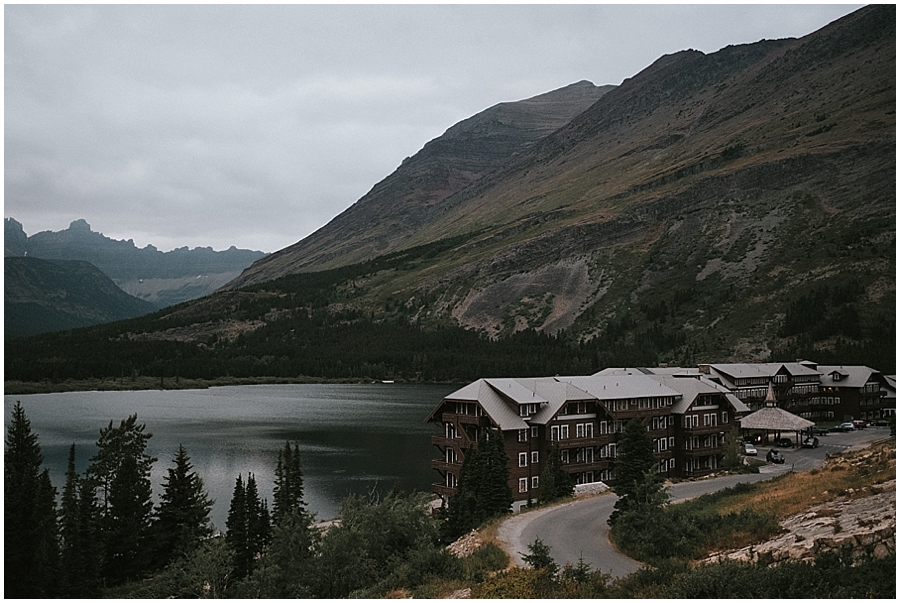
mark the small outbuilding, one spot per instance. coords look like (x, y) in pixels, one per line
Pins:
(770, 419)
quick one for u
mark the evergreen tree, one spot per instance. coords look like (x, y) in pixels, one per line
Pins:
(248, 525)
(483, 490)
(236, 524)
(259, 523)
(732, 458)
(182, 518)
(70, 534)
(86, 583)
(635, 460)
(121, 472)
(555, 483)
(31, 551)
(497, 498)
(288, 492)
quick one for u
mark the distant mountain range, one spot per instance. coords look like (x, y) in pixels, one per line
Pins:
(729, 206)
(161, 278)
(55, 295)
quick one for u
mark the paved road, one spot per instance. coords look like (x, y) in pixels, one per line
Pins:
(578, 529)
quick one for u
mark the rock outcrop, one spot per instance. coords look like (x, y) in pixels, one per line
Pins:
(864, 520)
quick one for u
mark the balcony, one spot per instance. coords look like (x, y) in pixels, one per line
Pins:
(442, 490)
(444, 466)
(706, 429)
(597, 440)
(705, 450)
(443, 442)
(452, 417)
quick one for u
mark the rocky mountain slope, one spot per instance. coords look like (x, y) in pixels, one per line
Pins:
(161, 278)
(701, 197)
(53, 295)
(411, 198)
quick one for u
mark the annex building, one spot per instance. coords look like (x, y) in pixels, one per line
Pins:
(687, 412)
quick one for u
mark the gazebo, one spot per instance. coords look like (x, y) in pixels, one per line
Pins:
(771, 418)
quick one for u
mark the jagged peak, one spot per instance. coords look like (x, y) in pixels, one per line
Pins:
(80, 225)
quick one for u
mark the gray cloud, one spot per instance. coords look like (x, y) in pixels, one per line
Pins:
(255, 125)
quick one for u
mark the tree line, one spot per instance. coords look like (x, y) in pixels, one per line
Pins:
(107, 538)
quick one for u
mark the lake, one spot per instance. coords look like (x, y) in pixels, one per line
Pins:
(352, 438)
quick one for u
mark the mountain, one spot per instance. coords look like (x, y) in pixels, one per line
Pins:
(54, 295)
(162, 278)
(760, 172)
(411, 198)
(726, 207)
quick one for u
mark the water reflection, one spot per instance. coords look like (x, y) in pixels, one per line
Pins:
(351, 437)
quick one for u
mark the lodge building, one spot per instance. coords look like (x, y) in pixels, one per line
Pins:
(687, 413)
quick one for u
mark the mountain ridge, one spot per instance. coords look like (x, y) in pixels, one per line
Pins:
(161, 278)
(411, 195)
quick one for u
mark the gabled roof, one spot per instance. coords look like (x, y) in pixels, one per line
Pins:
(764, 369)
(558, 393)
(520, 391)
(691, 388)
(851, 376)
(494, 405)
(618, 387)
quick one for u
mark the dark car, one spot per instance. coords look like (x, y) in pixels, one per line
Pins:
(882, 423)
(776, 457)
(843, 427)
(785, 443)
(810, 442)
(860, 424)
(818, 431)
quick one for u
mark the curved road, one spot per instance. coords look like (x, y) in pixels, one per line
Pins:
(578, 529)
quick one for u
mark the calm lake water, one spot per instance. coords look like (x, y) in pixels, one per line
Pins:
(352, 438)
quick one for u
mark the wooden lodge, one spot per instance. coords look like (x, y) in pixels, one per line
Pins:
(687, 413)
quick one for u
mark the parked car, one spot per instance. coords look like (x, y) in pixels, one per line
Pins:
(810, 442)
(882, 423)
(785, 443)
(818, 431)
(860, 424)
(749, 449)
(842, 427)
(775, 457)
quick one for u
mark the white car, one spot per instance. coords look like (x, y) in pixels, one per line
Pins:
(749, 449)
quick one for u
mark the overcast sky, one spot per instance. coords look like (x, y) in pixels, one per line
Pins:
(253, 126)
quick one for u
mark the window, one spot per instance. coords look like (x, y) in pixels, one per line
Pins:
(588, 430)
(523, 435)
(724, 417)
(564, 455)
(523, 459)
(534, 432)
(579, 430)
(603, 428)
(523, 484)
(450, 480)
(534, 482)
(554, 433)
(612, 451)
(535, 455)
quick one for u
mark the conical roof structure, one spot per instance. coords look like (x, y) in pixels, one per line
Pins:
(772, 418)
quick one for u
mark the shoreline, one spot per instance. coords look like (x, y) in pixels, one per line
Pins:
(25, 388)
